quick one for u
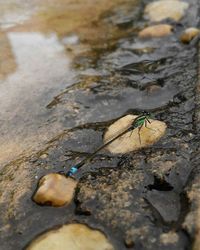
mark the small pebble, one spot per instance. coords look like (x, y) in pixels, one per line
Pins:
(43, 156)
(189, 34)
(55, 190)
(169, 238)
(127, 204)
(159, 30)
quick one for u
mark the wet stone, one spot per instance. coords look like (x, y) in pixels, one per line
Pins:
(160, 10)
(170, 170)
(135, 139)
(115, 200)
(55, 190)
(72, 237)
(158, 30)
(166, 204)
(137, 224)
(189, 34)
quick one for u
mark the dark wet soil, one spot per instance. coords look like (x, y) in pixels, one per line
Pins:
(139, 200)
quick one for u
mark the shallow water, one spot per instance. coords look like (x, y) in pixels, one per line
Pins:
(39, 44)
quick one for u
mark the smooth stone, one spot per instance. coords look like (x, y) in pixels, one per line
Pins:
(159, 30)
(189, 34)
(130, 141)
(160, 10)
(55, 190)
(71, 237)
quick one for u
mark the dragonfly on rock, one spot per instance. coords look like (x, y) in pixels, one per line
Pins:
(138, 122)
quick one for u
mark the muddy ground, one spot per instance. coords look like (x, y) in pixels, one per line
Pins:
(143, 200)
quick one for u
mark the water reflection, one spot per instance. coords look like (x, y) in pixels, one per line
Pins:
(49, 42)
(43, 69)
(7, 60)
(13, 12)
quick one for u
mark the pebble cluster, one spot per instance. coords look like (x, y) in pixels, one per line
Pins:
(159, 11)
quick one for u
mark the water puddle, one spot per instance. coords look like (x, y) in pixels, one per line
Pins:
(42, 68)
(42, 46)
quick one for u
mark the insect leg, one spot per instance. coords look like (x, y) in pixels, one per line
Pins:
(131, 132)
(148, 120)
(139, 128)
(146, 125)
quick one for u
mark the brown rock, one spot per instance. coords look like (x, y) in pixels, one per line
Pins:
(189, 34)
(156, 31)
(71, 237)
(160, 10)
(134, 139)
(55, 190)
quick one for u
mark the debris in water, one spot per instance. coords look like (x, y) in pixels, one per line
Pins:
(55, 190)
(71, 237)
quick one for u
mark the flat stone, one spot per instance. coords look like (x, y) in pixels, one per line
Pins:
(71, 237)
(160, 10)
(55, 190)
(159, 30)
(166, 204)
(134, 139)
(189, 34)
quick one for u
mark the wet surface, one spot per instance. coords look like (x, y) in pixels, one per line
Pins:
(70, 86)
(39, 46)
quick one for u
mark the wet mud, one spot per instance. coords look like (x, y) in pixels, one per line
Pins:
(103, 71)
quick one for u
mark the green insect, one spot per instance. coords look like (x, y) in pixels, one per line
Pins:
(139, 122)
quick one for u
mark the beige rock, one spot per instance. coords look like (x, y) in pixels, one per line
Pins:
(169, 238)
(55, 190)
(134, 139)
(156, 31)
(160, 10)
(71, 237)
(189, 34)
